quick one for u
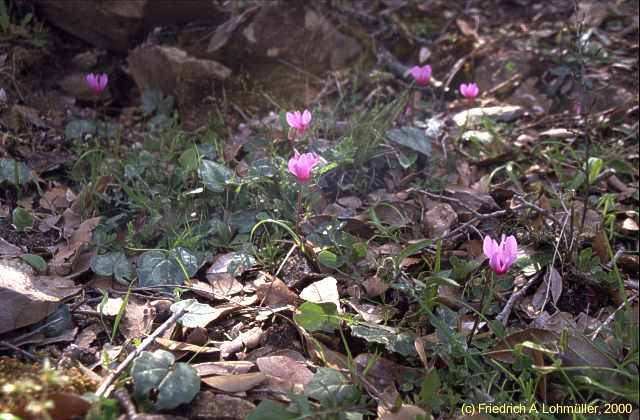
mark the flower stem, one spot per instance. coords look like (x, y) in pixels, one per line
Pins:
(482, 305)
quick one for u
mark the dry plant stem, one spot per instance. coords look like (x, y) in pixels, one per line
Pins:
(284, 261)
(612, 316)
(503, 316)
(21, 351)
(105, 387)
(125, 401)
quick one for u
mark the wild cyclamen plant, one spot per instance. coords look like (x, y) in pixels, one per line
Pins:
(501, 256)
(301, 165)
(299, 121)
(469, 90)
(97, 82)
(421, 74)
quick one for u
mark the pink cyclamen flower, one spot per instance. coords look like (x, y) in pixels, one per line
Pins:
(301, 165)
(421, 74)
(469, 90)
(299, 121)
(501, 256)
(97, 82)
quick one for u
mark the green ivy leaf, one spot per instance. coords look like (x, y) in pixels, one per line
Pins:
(328, 259)
(35, 261)
(21, 219)
(214, 176)
(318, 316)
(157, 268)
(173, 384)
(271, 410)
(411, 137)
(402, 343)
(189, 159)
(14, 172)
(113, 264)
(329, 386)
(197, 314)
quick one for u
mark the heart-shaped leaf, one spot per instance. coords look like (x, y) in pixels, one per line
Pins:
(200, 314)
(157, 268)
(173, 384)
(393, 340)
(317, 316)
(14, 172)
(214, 176)
(411, 137)
(21, 219)
(113, 263)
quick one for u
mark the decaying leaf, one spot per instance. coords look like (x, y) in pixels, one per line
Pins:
(63, 259)
(273, 293)
(248, 339)
(235, 383)
(28, 298)
(325, 290)
(285, 368)
(179, 346)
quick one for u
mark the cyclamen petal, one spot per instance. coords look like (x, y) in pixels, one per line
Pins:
(97, 82)
(306, 117)
(469, 90)
(302, 165)
(501, 256)
(299, 121)
(421, 74)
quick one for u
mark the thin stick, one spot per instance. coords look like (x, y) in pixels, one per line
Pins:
(104, 388)
(503, 316)
(612, 316)
(19, 350)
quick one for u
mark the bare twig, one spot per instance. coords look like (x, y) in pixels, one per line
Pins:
(125, 401)
(612, 316)
(503, 316)
(21, 351)
(105, 387)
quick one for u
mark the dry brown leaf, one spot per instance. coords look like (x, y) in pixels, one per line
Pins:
(406, 412)
(351, 202)
(7, 249)
(180, 346)
(88, 335)
(322, 354)
(137, 320)
(235, 383)
(372, 313)
(223, 285)
(272, 291)
(285, 368)
(374, 286)
(27, 298)
(229, 367)
(550, 287)
(503, 353)
(439, 220)
(630, 226)
(600, 245)
(65, 256)
(248, 339)
(325, 290)
(382, 373)
(67, 405)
